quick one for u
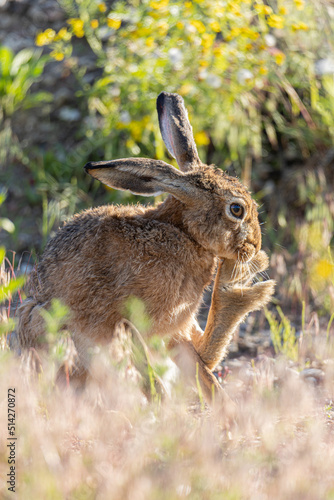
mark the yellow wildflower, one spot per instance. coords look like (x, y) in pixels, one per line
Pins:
(300, 26)
(249, 33)
(114, 23)
(276, 21)
(163, 28)
(94, 24)
(234, 8)
(214, 25)
(45, 37)
(203, 63)
(185, 89)
(159, 5)
(218, 50)
(218, 10)
(155, 14)
(283, 11)
(179, 25)
(279, 58)
(149, 41)
(198, 25)
(263, 70)
(77, 26)
(63, 34)
(136, 129)
(202, 138)
(263, 9)
(324, 268)
(233, 33)
(207, 40)
(102, 7)
(300, 4)
(57, 55)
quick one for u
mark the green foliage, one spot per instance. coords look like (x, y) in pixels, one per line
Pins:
(5, 223)
(55, 320)
(9, 283)
(58, 190)
(283, 335)
(55, 317)
(18, 72)
(248, 69)
(135, 311)
(7, 291)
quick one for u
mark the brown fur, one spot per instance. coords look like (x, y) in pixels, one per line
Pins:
(165, 256)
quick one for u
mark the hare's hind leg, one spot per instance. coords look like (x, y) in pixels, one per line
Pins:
(30, 333)
(32, 342)
(31, 328)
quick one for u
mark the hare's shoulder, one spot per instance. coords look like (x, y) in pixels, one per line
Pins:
(103, 229)
(117, 231)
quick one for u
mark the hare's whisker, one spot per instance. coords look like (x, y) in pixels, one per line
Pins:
(264, 275)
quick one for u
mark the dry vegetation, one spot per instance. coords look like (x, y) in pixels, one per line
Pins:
(110, 443)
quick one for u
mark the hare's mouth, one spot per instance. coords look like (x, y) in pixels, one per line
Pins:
(246, 253)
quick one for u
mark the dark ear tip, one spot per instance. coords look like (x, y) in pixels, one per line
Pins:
(163, 96)
(160, 100)
(91, 165)
(87, 167)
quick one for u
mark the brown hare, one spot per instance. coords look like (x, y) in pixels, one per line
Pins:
(164, 255)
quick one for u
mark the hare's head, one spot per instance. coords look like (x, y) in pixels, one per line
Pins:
(217, 210)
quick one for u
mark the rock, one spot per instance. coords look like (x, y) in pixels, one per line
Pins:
(69, 114)
(6, 22)
(313, 375)
(37, 15)
(62, 96)
(17, 42)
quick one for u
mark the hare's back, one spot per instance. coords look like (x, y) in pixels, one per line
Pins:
(105, 236)
(103, 256)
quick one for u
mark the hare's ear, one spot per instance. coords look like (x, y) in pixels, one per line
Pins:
(176, 130)
(142, 176)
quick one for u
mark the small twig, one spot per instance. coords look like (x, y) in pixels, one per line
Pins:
(293, 94)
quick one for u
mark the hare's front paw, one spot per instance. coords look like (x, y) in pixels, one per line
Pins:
(245, 299)
(258, 295)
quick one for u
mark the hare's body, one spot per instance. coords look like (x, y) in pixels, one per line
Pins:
(165, 255)
(105, 255)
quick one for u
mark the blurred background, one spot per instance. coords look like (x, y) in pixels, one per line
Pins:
(79, 81)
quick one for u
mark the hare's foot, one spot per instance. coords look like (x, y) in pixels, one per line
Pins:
(196, 374)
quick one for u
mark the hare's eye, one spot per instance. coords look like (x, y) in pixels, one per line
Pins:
(237, 210)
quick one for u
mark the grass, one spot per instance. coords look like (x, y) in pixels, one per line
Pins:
(112, 442)
(109, 442)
